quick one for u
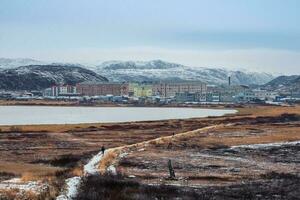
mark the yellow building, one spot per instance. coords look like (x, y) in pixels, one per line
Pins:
(140, 90)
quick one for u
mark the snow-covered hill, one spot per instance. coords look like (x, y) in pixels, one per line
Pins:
(157, 70)
(36, 77)
(284, 83)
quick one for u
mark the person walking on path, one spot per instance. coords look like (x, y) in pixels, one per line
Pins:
(103, 149)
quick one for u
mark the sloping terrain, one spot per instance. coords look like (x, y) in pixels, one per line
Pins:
(157, 70)
(36, 77)
(284, 83)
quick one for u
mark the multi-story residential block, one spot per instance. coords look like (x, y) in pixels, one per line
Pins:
(60, 90)
(213, 97)
(169, 89)
(244, 96)
(99, 88)
(185, 97)
(190, 97)
(67, 89)
(236, 93)
(140, 90)
(265, 95)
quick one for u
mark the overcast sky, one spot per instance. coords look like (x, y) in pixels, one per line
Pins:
(261, 35)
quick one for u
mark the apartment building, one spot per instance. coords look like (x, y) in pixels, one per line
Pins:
(60, 90)
(140, 90)
(99, 88)
(170, 89)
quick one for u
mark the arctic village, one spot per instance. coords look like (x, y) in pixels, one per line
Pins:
(245, 146)
(149, 100)
(141, 83)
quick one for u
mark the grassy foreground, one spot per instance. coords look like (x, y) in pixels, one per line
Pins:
(51, 153)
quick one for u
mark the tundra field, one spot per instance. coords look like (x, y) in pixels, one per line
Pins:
(254, 154)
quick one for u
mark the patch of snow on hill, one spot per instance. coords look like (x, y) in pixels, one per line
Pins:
(157, 70)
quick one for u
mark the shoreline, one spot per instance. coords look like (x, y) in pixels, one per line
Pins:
(162, 114)
(76, 104)
(241, 112)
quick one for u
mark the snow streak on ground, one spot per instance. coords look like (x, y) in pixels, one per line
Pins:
(73, 183)
(17, 183)
(92, 166)
(258, 146)
(112, 169)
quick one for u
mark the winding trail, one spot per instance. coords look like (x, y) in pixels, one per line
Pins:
(92, 167)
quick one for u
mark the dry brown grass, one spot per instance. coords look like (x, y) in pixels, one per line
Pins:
(77, 171)
(215, 136)
(29, 171)
(16, 194)
(268, 110)
(9, 194)
(112, 155)
(140, 135)
(201, 137)
(108, 159)
(38, 102)
(35, 176)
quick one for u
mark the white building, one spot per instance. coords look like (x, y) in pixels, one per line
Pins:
(265, 95)
(60, 90)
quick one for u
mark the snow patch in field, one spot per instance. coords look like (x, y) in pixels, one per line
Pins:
(73, 183)
(112, 170)
(92, 166)
(123, 155)
(71, 191)
(17, 183)
(257, 146)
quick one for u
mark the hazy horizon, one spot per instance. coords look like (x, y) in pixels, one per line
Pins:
(254, 35)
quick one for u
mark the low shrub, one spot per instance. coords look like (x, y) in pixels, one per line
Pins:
(7, 175)
(276, 175)
(109, 187)
(15, 129)
(65, 161)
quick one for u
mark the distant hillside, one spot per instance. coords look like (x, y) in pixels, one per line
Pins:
(35, 77)
(284, 83)
(157, 70)
(136, 71)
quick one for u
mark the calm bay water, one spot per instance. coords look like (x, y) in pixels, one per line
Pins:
(21, 115)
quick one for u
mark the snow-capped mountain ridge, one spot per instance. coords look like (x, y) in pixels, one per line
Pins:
(284, 83)
(157, 70)
(153, 64)
(154, 70)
